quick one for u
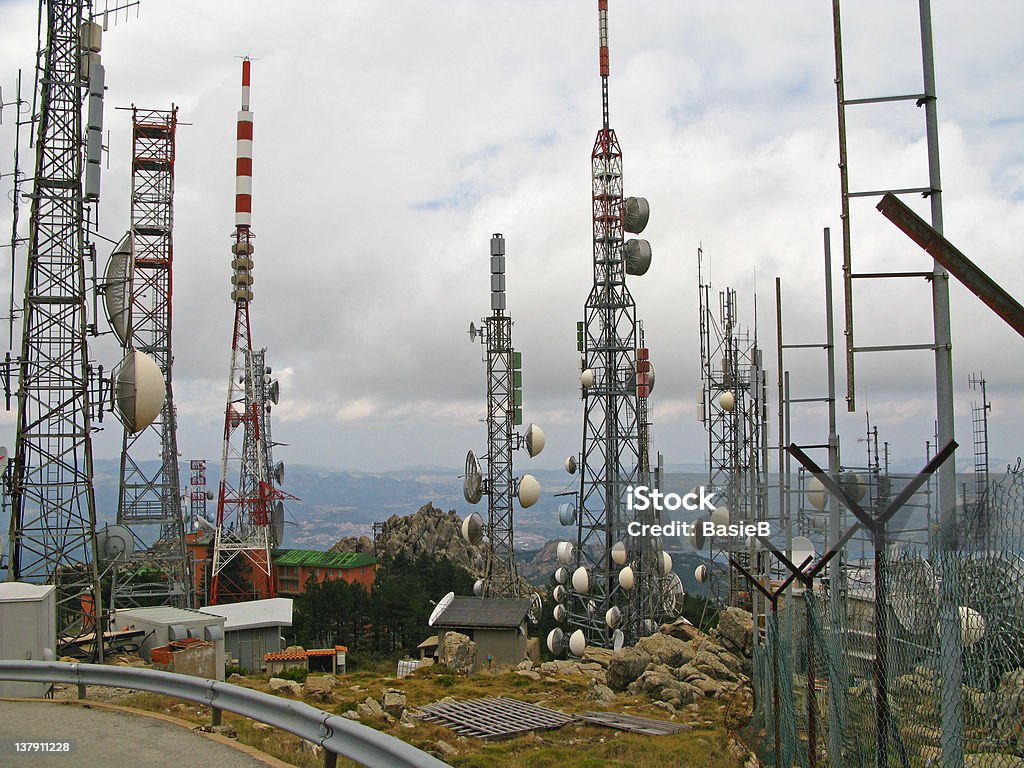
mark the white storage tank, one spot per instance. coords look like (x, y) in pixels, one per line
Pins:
(28, 617)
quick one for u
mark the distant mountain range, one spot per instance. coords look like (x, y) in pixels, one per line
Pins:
(337, 503)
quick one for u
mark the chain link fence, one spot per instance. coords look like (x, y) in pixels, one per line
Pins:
(858, 679)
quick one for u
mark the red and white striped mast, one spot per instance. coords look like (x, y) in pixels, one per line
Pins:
(245, 497)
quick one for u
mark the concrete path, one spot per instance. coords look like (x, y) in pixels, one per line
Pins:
(108, 739)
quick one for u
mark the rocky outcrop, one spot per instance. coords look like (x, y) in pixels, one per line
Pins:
(674, 667)
(457, 652)
(428, 531)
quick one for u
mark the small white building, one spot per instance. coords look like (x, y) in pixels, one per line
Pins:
(253, 629)
(164, 624)
(28, 630)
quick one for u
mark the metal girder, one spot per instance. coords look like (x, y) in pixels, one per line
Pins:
(955, 262)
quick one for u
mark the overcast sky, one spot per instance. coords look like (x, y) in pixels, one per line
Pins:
(392, 139)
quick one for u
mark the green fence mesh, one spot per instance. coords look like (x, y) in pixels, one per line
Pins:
(952, 623)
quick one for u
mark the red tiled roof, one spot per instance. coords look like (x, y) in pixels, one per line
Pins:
(282, 656)
(341, 648)
(320, 652)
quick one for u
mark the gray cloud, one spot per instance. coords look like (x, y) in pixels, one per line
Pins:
(392, 140)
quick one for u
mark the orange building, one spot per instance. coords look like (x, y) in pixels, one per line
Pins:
(292, 567)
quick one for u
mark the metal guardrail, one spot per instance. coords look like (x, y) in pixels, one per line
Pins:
(337, 735)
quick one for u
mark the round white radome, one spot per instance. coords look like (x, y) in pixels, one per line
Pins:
(626, 578)
(581, 580)
(577, 642)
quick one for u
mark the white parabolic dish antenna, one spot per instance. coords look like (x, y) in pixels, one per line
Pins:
(277, 522)
(555, 637)
(529, 491)
(802, 549)
(536, 607)
(473, 529)
(577, 642)
(914, 594)
(816, 494)
(139, 390)
(619, 553)
(534, 440)
(117, 288)
(473, 485)
(564, 552)
(115, 542)
(5, 457)
(442, 604)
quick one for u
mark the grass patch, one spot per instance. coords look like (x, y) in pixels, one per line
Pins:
(704, 745)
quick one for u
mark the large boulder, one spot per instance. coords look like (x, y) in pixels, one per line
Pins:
(711, 666)
(600, 694)
(279, 684)
(625, 666)
(393, 702)
(369, 709)
(596, 655)
(319, 687)
(665, 649)
(457, 652)
(735, 630)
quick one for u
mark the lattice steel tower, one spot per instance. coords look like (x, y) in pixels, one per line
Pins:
(150, 501)
(247, 499)
(53, 509)
(197, 490)
(600, 599)
(504, 412)
(733, 412)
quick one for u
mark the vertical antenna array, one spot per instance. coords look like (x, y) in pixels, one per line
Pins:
(151, 500)
(53, 508)
(504, 412)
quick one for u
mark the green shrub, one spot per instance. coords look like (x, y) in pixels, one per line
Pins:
(298, 674)
(230, 669)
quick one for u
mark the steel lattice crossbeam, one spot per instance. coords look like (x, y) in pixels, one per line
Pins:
(53, 511)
